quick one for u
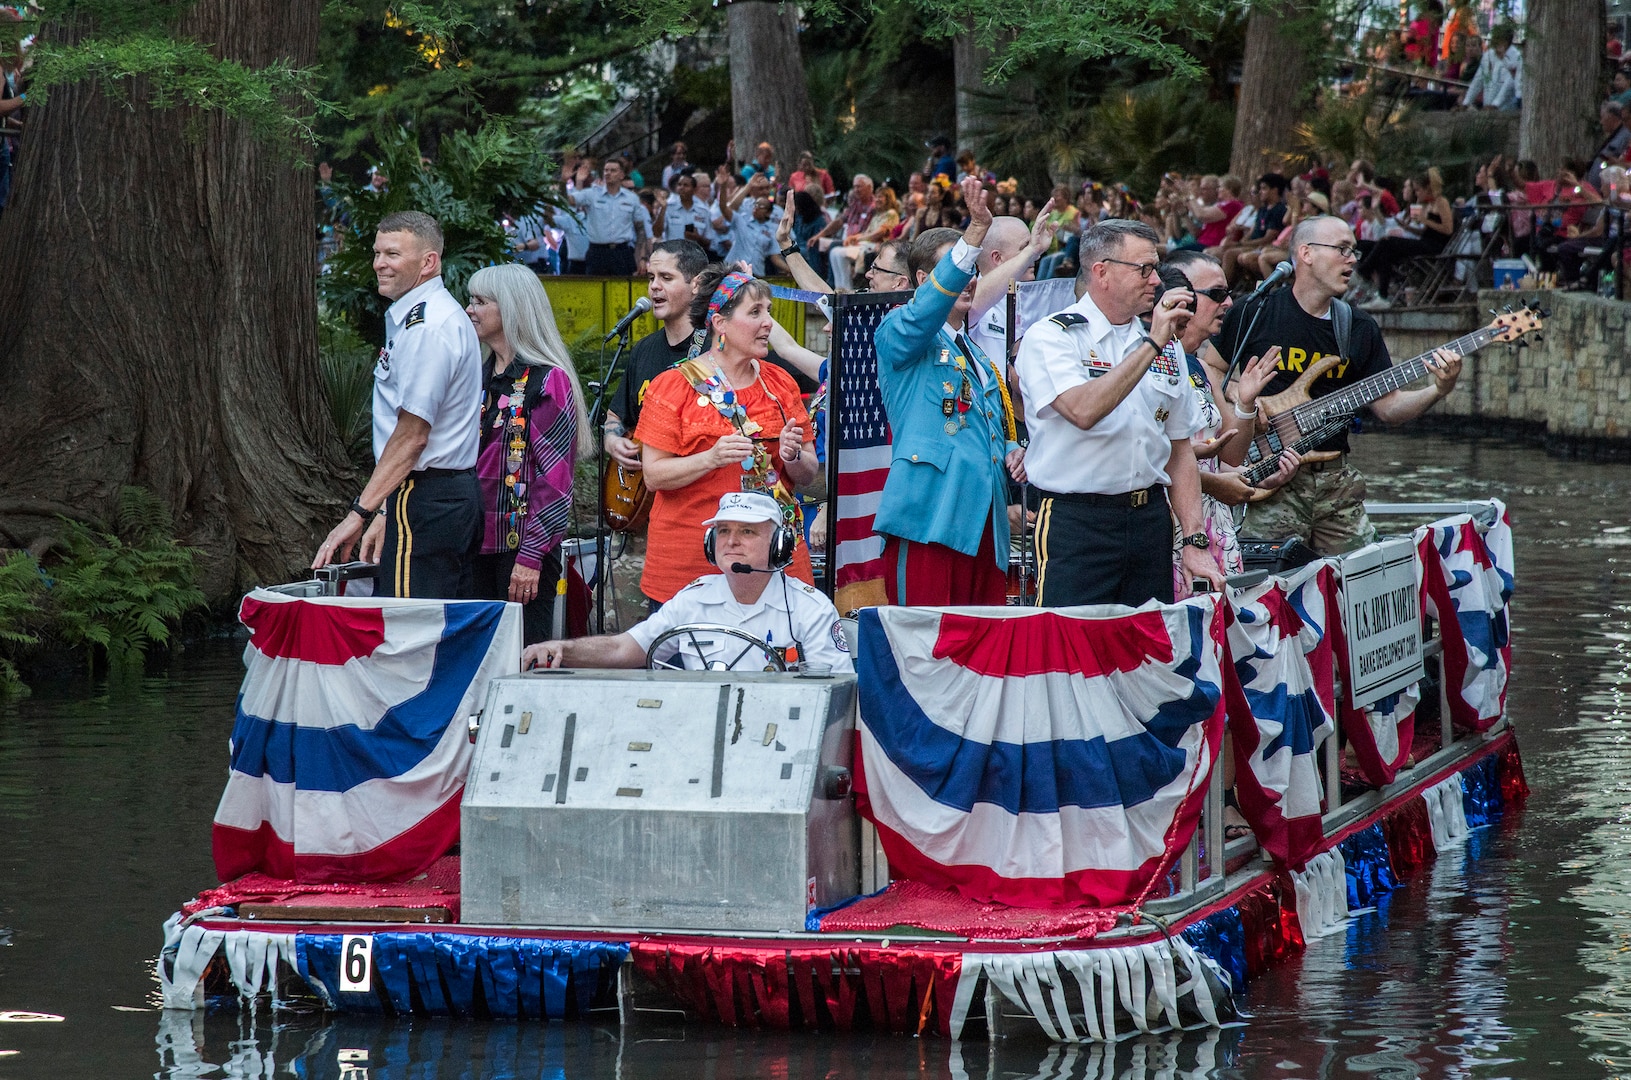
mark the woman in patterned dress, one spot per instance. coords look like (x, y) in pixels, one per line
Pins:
(1230, 422)
(532, 423)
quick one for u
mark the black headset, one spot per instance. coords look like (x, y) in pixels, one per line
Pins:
(782, 543)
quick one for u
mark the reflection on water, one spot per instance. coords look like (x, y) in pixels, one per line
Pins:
(1509, 959)
(387, 1050)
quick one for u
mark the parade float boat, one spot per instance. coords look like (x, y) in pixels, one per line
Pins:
(1008, 821)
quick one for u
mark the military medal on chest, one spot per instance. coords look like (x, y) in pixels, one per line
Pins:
(1165, 365)
(513, 498)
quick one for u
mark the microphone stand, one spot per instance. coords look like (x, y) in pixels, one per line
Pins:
(597, 422)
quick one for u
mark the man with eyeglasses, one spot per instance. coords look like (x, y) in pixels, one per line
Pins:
(944, 508)
(1324, 503)
(888, 270)
(1111, 413)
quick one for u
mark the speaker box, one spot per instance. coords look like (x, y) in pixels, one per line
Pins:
(1276, 556)
(662, 800)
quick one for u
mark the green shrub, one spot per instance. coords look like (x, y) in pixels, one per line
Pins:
(477, 179)
(120, 594)
(347, 363)
(20, 589)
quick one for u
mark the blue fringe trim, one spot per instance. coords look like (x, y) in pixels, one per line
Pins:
(1370, 873)
(1481, 798)
(468, 975)
(1221, 937)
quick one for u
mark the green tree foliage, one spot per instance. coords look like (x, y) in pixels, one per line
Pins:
(441, 66)
(1129, 133)
(856, 129)
(1018, 34)
(1139, 133)
(131, 48)
(1399, 141)
(476, 180)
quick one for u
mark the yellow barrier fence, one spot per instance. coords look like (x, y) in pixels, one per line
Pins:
(590, 306)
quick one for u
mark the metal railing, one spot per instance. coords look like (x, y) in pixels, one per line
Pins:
(1200, 883)
(1505, 240)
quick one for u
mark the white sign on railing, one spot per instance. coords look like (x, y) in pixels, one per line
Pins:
(1382, 615)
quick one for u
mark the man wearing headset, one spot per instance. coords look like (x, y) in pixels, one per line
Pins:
(748, 542)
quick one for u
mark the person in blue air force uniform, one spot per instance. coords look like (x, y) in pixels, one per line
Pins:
(944, 510)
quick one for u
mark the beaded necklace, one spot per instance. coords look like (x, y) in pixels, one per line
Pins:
(759, 472)
(512, 496)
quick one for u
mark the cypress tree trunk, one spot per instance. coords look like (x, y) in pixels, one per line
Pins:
(1562, 42)
(159, 322)
(969, 61)
(1272, 82)
(769, 101)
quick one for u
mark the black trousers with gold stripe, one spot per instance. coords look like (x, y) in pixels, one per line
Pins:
(432, 531)
(1099, 549)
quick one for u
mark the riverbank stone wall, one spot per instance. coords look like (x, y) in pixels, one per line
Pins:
(1570, 388)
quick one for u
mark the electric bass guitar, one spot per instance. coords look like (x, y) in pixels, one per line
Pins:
(628, 500)
(1300, 422)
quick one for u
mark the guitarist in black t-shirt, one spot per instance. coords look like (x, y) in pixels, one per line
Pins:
(673, 268)
(1325, 503)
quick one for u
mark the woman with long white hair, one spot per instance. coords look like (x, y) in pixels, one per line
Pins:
(533, 421)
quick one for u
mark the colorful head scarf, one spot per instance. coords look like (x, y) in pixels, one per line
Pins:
(727, 289)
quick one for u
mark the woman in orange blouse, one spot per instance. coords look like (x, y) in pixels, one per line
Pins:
(721, 421)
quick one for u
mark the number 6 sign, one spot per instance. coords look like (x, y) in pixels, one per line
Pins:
(356, 964)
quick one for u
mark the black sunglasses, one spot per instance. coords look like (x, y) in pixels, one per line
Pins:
(1217, 293)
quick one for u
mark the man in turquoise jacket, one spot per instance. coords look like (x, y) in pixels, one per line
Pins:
(944, 509)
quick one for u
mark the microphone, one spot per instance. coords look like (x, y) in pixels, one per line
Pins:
(643, 305)
(744, 568)
(1281, 272)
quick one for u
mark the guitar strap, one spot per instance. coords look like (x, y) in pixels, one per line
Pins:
(1342, 324)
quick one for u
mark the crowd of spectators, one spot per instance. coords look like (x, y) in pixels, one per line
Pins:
(734, 212)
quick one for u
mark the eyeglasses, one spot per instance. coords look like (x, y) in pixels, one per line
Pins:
(1344, 251)
(876, 269)
(1144, 269)
(1217, 293)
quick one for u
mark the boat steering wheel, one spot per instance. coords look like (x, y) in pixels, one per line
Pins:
(755, 655)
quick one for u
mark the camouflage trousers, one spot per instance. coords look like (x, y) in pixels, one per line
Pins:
(1325, 507)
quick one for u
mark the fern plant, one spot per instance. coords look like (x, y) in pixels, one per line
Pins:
(20, 589)
(121, 594)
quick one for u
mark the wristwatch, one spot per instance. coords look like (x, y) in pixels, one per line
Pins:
(1197, 540)
(363, 512)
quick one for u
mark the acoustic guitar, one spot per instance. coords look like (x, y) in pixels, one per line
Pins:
(628, 500)
(1300, 422)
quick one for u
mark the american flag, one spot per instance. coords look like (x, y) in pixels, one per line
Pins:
(863, 450)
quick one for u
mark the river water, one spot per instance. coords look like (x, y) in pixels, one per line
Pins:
(1511, 957)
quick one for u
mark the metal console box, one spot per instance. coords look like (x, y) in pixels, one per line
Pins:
(662, 800)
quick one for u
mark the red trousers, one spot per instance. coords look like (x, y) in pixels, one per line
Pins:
(933, 575)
